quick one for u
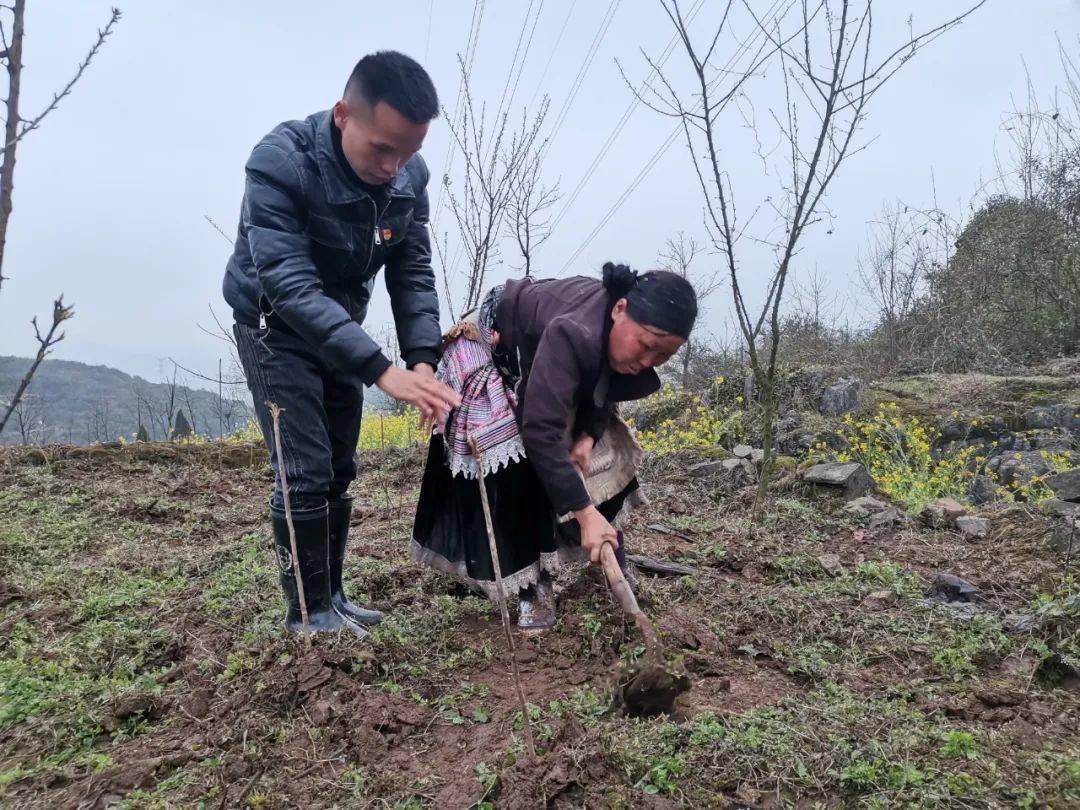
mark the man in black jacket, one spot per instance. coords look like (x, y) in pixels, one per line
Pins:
(328, 201)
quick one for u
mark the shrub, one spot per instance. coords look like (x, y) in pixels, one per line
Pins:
(248, 433)
(897, 452)
(672, 420)
(382, 430)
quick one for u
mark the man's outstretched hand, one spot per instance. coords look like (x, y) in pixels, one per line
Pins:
(420, 389)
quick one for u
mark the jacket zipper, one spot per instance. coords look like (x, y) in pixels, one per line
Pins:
(376, 236)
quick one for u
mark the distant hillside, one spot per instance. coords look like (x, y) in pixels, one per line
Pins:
(76, 403)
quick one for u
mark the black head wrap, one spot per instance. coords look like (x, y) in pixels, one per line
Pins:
(662, 300)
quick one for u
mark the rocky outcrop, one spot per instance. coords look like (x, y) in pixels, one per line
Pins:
(847, 478)
(841, 397)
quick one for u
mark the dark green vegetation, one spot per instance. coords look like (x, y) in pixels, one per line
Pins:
(141, 659)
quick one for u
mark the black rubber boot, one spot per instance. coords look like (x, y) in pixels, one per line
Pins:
(340, 518)
(313, 547)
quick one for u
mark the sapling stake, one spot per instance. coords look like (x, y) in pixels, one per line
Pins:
(501, 594)
(276, 412)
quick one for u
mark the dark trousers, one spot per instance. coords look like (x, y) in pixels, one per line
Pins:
(321, 412)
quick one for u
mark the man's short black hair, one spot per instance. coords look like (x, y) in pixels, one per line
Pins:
(398, 80)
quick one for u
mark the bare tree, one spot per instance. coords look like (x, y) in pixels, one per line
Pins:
(494, 158)
(890, 270)
(169, 402)
(159, 404)
(822, 61)
(812, 301)
(46, 344)
(227, 410)
(529, 217)
(677, 256)
(811, 327)
(17, 127)
(186, 391)
(146, 407)
(101, 420)
(30, 419)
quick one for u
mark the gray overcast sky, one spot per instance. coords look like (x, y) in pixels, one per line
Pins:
(110, 195)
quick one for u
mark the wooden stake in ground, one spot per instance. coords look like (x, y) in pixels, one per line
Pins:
(276, 412)
(501, 593)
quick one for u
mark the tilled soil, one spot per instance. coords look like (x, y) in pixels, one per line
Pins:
(143, 662)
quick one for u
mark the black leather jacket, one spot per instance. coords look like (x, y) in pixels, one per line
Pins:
(311, 240)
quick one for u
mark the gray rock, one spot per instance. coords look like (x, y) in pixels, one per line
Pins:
(970, 526)
(707, 469)
(738, 470)
(1065, 509)
(865, 506)
(958, 611)
(951, 588)
(889, 517)
(942, 513)
(1052, 416)
(1056, 442)
(1065, 538)
(742, 451)
(841, 397)
(789, 422)
(831, 564)
(848, 476)
(982, 490)
(952, 428)
(1066, 485)
(1022, 623)
(757, 456)
(809, 383)
(879, 600)
(794, 442)
(1018, 467)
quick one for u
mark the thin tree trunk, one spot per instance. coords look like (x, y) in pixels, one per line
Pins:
(768, 431)
(11, 128)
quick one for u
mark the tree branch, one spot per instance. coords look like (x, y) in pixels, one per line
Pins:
(61, 313)
(29, 125)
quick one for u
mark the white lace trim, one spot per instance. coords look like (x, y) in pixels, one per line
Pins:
(550, 563)
(501, 455)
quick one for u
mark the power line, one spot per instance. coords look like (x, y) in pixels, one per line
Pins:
(427, 40)
(579, 79)
(651, 162)
(514, 62)
(528, 45)
(554, 50)
(503, 100)
(621, 124)
(470, 54)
